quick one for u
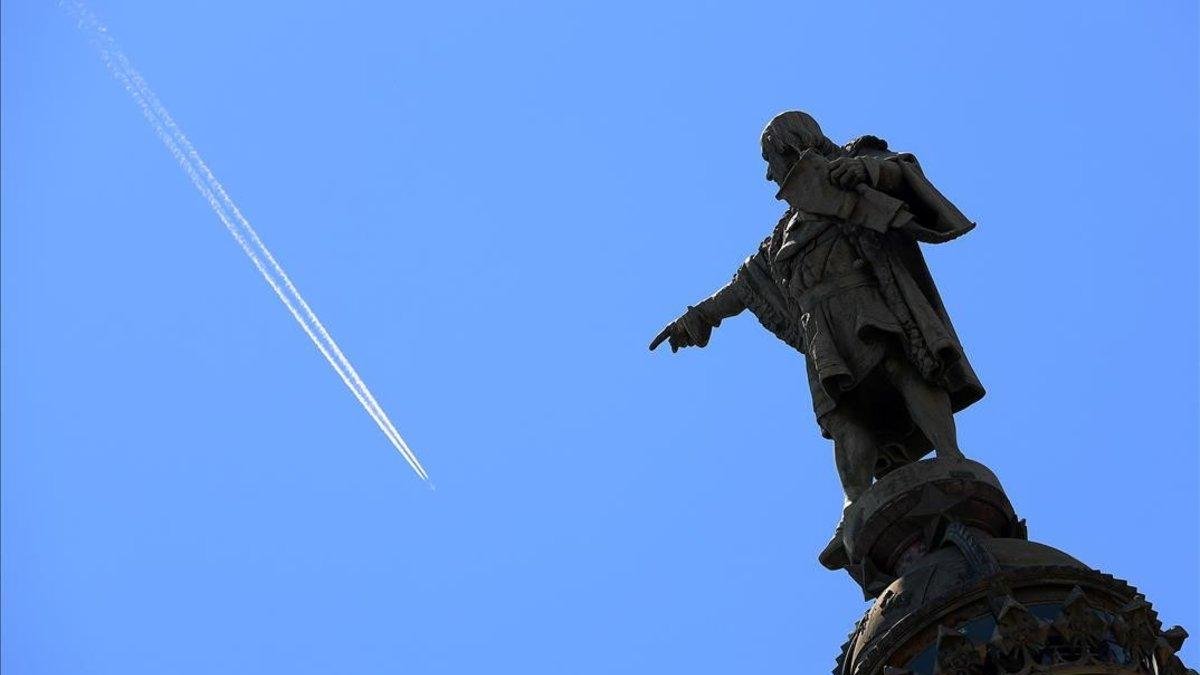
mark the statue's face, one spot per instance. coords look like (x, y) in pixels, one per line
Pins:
(786, 137)
(779, 162)
(781, 155)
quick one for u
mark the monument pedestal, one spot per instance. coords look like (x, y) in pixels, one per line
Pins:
(959, 589)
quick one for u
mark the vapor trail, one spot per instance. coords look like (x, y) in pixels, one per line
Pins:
(214, 193)
(358, 385)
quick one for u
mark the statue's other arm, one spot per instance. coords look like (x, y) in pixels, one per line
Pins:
(935, 218)
(694, 327)
(883, 174)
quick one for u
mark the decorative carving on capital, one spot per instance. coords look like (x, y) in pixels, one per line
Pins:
(1080, 629)
(1080, 634)
(957, 654)
(1017, 639)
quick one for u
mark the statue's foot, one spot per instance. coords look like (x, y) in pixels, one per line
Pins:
(835, 556)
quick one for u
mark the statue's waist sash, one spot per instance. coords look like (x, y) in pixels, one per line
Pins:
(811, 297)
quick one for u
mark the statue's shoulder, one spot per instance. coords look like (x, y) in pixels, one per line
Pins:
(866, 145)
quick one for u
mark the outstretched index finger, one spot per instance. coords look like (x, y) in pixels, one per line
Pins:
(666, 333)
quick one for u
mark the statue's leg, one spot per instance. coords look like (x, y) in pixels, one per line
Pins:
(854, 449)
(928, 405)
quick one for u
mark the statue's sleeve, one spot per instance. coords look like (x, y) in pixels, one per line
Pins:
(722, 305)
(758, 292)
(885, 175)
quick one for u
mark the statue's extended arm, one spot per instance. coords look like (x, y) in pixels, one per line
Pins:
(694, 328)
(723, 304)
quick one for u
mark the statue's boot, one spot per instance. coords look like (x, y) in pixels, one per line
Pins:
(835, 556)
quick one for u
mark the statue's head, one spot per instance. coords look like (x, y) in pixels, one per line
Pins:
(788, 135)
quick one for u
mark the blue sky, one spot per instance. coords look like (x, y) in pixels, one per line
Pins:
(494, 207)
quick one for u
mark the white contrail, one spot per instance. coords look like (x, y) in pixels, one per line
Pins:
(346, 369)
(165, 117)
(213, 192)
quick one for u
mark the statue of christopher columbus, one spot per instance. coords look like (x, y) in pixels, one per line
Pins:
(842, 280)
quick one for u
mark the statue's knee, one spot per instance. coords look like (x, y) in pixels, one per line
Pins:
(854, 442)
(839, 425)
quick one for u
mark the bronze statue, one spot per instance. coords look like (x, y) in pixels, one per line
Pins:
(842, 280)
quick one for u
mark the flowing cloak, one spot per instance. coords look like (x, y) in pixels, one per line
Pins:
(845, 314)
